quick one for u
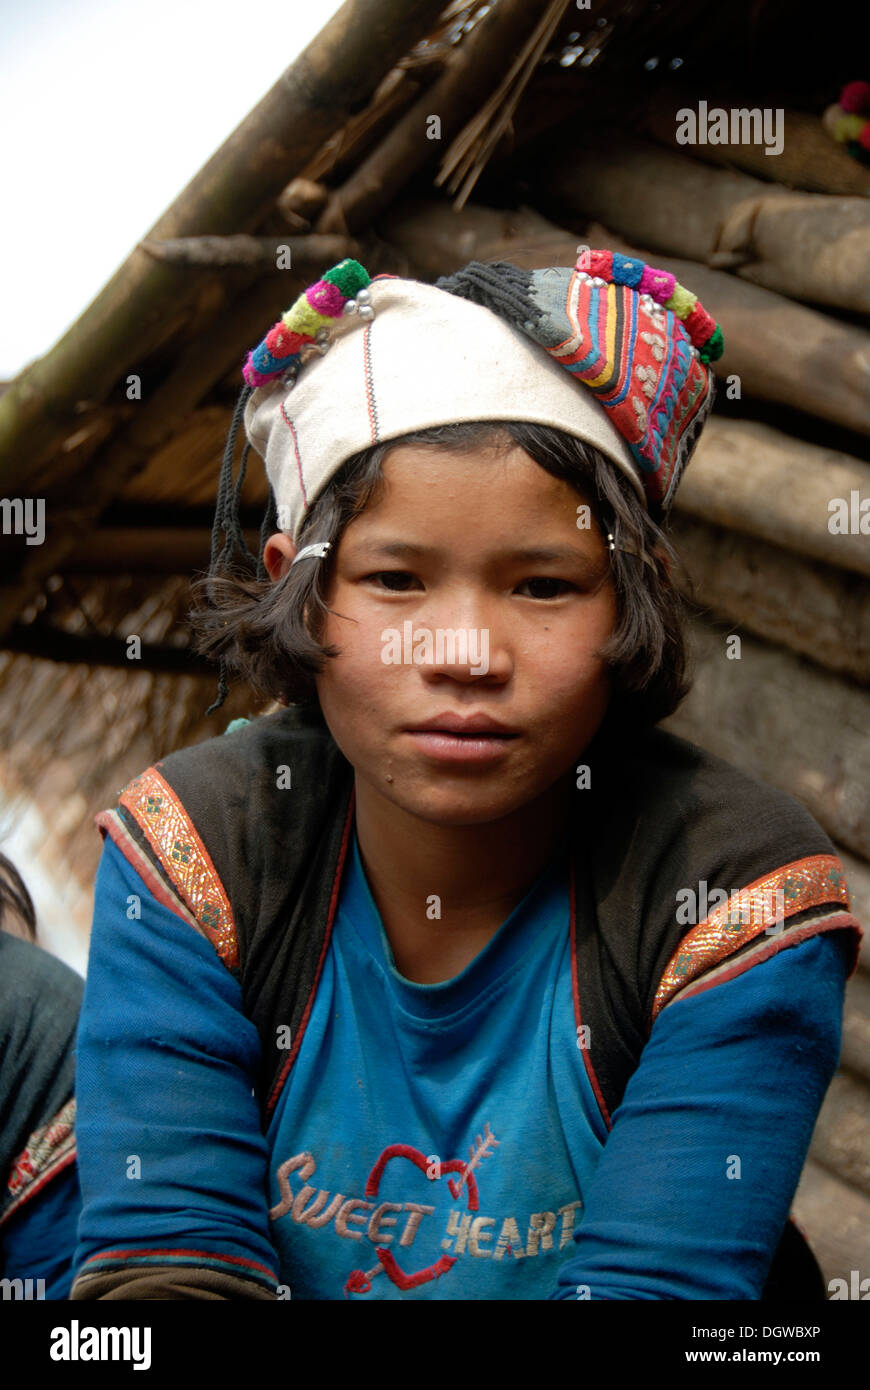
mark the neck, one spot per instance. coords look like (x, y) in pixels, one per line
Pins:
(478, 873)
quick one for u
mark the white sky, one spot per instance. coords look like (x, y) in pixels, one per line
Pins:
(107, 109)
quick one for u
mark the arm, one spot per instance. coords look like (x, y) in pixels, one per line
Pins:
(172, 1161)
(696, 1179)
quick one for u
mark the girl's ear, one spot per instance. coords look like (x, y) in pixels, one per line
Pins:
(278, 554)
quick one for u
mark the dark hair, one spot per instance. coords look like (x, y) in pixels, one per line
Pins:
(258, 628)
(15, 898)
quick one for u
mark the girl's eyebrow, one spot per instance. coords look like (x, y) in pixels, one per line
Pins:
(538, 554)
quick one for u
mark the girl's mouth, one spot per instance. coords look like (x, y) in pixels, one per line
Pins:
(445, 746)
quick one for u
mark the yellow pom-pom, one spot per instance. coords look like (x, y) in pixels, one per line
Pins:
(849, 127)
(303, 319)
(681, 302)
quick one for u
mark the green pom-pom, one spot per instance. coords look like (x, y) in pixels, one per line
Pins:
(349, 276)
(236, 724)
(714, 346)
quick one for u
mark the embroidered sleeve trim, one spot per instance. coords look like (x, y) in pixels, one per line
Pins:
(167, 1257)
(759, 909)
(183, 857)
(769, 946)
(49, 1150)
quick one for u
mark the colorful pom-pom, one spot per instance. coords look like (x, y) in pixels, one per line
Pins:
(326, 298)
(681, 302)
(263, 361)
(600, 264)
(659, 284)
(714, 347)
(627, 270)
(864, 137)
(252, 376)
(303, 319)
(855, 97)
(348, 277)
(848, 128)
(282, 343)
(699, 325)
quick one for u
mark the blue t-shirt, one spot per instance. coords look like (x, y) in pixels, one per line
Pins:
(440, 1141)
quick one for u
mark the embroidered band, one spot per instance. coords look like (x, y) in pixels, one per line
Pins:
(749, 912)
(49, 1149)
(184, 858)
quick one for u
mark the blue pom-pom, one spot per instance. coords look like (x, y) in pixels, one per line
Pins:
(627, 270)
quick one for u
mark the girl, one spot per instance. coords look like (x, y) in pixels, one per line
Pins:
(456, 977)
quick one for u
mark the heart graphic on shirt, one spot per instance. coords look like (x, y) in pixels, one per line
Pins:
(359, 1280)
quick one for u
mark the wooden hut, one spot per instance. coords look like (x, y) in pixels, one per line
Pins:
(416, 136)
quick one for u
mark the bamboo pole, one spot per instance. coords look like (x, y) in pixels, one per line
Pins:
(332, 78)
(262, 253)
(409, 147)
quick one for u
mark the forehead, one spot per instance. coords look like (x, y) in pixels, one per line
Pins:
(486, 483)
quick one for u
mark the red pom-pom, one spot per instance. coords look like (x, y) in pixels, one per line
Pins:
(601, 264)
(855, 98)
(280, 342)
(864, 137)
(699, 325)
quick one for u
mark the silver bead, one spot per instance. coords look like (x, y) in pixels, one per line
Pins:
(364, 296)
(350, 306)
(366, 311)
(596, 280)
(322, 335)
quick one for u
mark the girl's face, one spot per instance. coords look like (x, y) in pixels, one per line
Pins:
(485, 544)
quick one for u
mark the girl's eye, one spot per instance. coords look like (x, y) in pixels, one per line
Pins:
(385, 575)
(545, 579)
(400, 581)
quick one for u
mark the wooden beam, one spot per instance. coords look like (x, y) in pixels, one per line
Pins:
(753, 585)
(805, 245)
(809, 158)
(785, 722)
(262, 253)
(134, 550)
(333, 77)
(778, 489)
(54, 644)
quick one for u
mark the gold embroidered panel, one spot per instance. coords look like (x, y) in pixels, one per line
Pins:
(765, 904)
(173, 838)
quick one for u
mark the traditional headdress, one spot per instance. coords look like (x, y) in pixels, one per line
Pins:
(611, 351)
